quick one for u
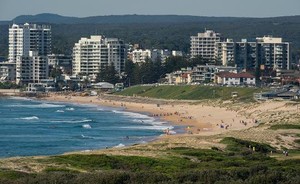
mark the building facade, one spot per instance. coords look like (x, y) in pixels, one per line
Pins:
(228, 78)
(206, 73)
(204, 44)
(28, 37)
(90, 55)
(31, 69)
(140, 56)
(266, 53)
(275, 54)
(61, 61)
(225, 52)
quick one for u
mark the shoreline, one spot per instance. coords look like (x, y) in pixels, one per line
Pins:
(268, 113)
(198, 119)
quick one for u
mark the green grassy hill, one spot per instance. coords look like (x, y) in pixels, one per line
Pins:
(191, 92)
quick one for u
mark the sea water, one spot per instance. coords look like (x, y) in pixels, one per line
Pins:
(31, 127)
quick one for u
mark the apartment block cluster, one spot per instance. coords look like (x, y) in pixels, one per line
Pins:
(262, 53)
(30, 57)
(237, 61)
(213, 74)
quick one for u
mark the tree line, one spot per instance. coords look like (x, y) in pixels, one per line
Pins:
(148, 71)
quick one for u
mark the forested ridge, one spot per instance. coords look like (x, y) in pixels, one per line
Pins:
(161, 31)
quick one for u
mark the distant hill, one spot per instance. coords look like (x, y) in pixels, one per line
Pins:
(157, 31)
(129, 19)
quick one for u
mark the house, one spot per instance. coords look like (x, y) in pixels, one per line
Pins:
(228, 78)
(182, 76)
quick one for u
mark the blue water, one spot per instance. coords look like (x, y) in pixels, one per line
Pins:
(31, 127)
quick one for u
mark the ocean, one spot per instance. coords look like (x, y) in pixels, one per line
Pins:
(32, 127)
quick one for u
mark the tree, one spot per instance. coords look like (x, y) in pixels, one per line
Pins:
(55, 73)
(108, 74)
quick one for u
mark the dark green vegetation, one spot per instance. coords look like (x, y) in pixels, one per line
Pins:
(236, 164)
(8, 85)
(167, 32)
(192, 92)
(152, 72)
(284, 126)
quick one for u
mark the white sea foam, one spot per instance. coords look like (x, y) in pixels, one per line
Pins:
(30, 118)
(149, 121)
(71, 121)
(119, 145)
(148, 127)
(133, 114)
(20, 98)
(43, 105)
(70, 109)
(86, 137)
(86, 126)
(60, 111)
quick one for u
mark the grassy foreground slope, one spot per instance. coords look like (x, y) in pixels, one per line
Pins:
(192, 92)
(235, 164)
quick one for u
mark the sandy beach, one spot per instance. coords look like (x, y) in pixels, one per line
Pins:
(207, 122)
(197, 119)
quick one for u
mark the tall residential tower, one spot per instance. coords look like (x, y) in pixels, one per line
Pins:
(29, 37)
(204, 44)
(90, 55)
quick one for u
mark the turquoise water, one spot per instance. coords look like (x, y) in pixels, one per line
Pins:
(31, 127)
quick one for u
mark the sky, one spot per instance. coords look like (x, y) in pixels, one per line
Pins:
(10, 9)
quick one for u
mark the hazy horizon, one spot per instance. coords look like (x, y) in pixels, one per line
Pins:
(9, 9)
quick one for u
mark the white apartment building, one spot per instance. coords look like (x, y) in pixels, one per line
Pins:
(204, 44)
(28, 37)
(274, 52)
(31, 69)
(225, 52)
(90, 55)
(140, 56)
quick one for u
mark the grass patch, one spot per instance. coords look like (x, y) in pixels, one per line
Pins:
(189, 92)
(239, 145)
(125, 163)
(284, 126)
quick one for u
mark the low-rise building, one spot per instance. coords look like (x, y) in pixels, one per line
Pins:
(206, 73)
(228, 78)
(183, 76)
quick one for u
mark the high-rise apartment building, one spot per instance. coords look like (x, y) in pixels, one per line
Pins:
(275, 54)
(204, 44)
(29, 37)
(92, 54)
(224, 53)
(31, 69)
(266, 53)
(246, 55)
